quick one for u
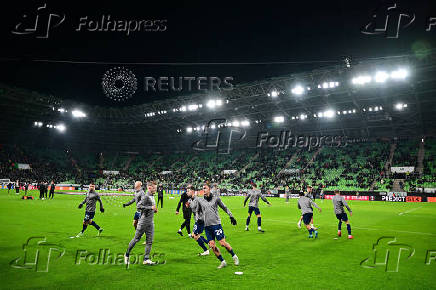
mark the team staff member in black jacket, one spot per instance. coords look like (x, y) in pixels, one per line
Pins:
(160, 195)
(187, 212)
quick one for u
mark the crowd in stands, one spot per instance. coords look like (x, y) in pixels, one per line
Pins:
(359, 166)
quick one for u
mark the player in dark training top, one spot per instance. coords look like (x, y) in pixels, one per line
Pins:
(187, 213)
(91, 200)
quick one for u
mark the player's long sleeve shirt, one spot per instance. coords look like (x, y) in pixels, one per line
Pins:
(254, 195)
(210, 210)
(339, 203)
(145, 206)
(136, 198)
(305, 204)
(194, 204)
(91, 199)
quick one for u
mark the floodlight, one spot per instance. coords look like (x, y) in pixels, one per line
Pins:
(78, 114)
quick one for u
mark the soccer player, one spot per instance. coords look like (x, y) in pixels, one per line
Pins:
(308, 194)
(91, 200)
(160, 195)
(254, 194)
(198, 229)
(305, 204)
(9, 186)
(187, 213)
(136, 198)
(212, 222)
(147, 206)
(339, 203)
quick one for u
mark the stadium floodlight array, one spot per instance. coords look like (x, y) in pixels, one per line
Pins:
(373, 109)
(78, 114)
(381, 77)
(300, 117)
(62, 110)
(214, 103)
(38, 124)
(345, 112)
(151, 114)
(400, 106)
(279, 119)
(162, 112)
(274, 93)
(298, 90)
(193, 107)
(328, 85)
(60, 127)
(325, 114)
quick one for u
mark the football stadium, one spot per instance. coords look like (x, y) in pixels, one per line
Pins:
(179, 146)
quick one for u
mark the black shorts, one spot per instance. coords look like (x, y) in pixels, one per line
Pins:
(255, 209)
(88, 216)
(342, 217)
(307, 217)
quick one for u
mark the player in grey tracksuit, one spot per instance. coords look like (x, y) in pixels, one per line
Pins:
(198, 229)
(135, 199)
(212, 222)
(147, 206)
(339, 203)
(305, 205)
(254, 195)
(90, 200)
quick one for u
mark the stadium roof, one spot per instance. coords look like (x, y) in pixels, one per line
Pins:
(331, 100)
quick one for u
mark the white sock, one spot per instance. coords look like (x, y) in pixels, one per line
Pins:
(259, 228)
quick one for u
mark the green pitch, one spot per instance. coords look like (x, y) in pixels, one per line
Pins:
(282, 257)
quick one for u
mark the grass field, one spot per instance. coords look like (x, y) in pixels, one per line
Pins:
(282, 257)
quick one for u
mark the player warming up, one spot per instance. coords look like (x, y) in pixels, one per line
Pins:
(198, 229)
(147, 206)
(187, 213)
(305, 204)
(339, 203)
(254, 194)
(138, 189)
(212, 224)
(91, 200)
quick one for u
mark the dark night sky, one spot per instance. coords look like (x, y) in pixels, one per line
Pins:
(197, 32)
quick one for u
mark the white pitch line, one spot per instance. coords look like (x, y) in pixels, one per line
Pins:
(410, 210)
(368, 229)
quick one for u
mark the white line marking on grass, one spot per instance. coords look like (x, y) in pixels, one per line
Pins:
(410, 210)
(368, 229)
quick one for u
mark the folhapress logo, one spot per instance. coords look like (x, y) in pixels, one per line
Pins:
(38, 254)
(389, 20)
(40, 23)
(387, 254)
